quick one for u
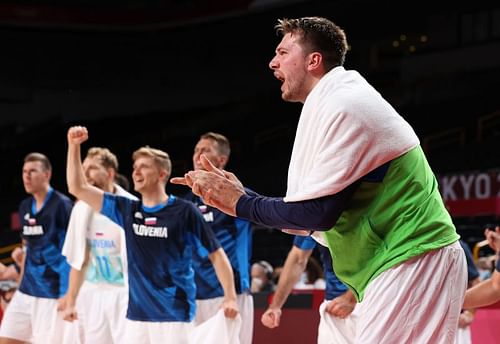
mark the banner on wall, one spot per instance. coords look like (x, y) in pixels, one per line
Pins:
(474, 193)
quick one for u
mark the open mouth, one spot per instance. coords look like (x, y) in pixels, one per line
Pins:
(279, 77)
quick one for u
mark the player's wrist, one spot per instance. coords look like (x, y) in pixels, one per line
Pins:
(274, 308)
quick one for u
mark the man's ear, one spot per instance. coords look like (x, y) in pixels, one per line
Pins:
(111, 173)
(315, 61)
(164, 174)
(223, 159)
(48, 174)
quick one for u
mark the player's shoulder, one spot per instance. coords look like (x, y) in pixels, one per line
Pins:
(81, 206)
(26, 202)
(189, 196)
(182, 204)
(179, 201)
(124, 193)
(62, 197)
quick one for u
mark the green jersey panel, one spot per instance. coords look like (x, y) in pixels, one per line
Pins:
(389, 222)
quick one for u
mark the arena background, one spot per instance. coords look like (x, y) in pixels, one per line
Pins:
(161, 73)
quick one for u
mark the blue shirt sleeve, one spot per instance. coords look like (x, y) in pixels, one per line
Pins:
(304, 242)
(111, 205)
(315, 214)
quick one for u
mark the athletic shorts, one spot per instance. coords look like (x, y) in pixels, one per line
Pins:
(418, 301)
(145, 332)
(206, 309)
(36, 320)
(102, 312)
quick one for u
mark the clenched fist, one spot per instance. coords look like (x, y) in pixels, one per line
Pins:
(77, 135)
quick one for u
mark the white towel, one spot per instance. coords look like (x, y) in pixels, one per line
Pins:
(346, 129)
(217, 330)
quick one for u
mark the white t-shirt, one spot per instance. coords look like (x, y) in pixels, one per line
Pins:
(104, 239)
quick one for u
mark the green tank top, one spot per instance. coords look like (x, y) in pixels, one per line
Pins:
(389, 222)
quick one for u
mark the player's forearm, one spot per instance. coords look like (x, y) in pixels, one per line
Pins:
(74, 170)
(224, 273)
(22, 262)
(292, 270)
(484, 293)
(77, 184)
(315, 214)
(76, 278)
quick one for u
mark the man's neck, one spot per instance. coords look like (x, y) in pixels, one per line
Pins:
(111, 188)
(40, 196)
(152, 199)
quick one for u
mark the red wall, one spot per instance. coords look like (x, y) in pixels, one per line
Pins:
(300, 325)
(486, 326)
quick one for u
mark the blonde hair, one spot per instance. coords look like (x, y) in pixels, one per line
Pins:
(160, 158)
(107, 158)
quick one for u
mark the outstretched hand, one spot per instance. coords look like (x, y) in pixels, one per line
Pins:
(493, 237)
(77, 135)
(218, 188)
(207, 166)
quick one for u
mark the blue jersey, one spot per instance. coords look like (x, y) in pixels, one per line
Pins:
(334, 287)
(160, 243)
(235, 237)
(472, 272)
(46, 271)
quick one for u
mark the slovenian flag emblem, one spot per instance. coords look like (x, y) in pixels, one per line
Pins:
(150, 221)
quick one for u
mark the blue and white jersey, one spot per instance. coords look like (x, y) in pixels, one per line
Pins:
(334, 287)
(105, 241)
(46, 271)
(235, 237)
(160, 244)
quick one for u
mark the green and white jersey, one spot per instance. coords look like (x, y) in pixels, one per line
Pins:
(390, 221)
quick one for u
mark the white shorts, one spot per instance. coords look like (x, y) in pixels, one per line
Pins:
(145, 332)
(335, 330)
(464, 335)
(36, 320)
(418, 301)
(101, 312)
(206, 309)
(217, 330)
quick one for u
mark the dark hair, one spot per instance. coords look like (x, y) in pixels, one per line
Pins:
(35, 156)
(317, 34)
(123, 181)
(223, 146)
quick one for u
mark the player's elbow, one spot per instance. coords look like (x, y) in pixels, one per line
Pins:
(75, 189)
